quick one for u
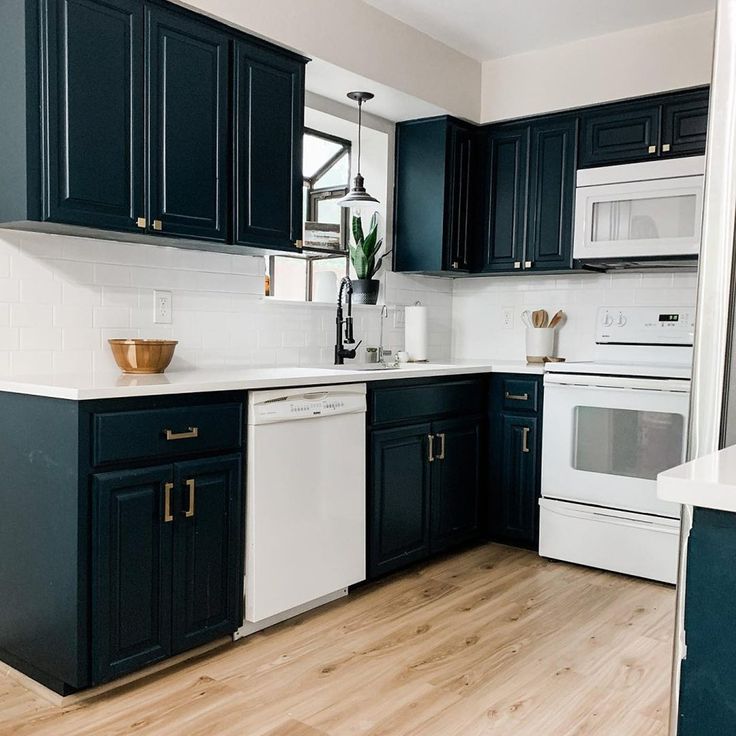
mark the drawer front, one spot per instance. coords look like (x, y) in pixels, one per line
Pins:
(520, 394)
(408, 403)
(162, 433)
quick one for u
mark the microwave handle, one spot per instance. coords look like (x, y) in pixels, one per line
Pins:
(631, 385)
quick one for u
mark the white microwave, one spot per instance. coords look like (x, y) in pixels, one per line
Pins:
(649, 210)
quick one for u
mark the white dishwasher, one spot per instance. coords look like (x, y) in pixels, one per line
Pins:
(305, 531)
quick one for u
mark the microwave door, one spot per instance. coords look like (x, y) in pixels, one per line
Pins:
(606, 445)
(639, 219)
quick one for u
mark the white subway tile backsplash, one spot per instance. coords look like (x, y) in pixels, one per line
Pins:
(31, 315)
(111, 316)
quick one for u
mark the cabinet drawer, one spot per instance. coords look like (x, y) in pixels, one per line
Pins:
(411, 402)
(520, 393)
(167, 432)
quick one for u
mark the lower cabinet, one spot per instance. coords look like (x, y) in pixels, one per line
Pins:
(165, 563)
(515, 459)
(424, 472)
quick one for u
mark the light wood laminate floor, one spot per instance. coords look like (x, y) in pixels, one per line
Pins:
(490, 641)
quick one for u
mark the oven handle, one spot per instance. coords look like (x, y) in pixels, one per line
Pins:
(615, 383)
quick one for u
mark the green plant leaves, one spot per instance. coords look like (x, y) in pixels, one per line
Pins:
(363, 253)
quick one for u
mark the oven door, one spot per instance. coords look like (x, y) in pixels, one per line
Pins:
(604, 443)
(653, 218)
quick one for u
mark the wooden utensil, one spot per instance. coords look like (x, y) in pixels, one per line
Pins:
(539, 318)
(557, 319)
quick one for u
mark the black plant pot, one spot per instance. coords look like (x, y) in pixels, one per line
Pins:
(365, 291)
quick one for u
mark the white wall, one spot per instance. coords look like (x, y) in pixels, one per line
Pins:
(61, 298)
(640, 61)
(355, 36)
(478, 304)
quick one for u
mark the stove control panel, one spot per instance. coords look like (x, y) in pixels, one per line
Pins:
(645, 326)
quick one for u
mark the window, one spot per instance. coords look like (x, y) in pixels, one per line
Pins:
(315, 275)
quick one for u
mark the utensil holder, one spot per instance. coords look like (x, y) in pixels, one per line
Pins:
(540, 343)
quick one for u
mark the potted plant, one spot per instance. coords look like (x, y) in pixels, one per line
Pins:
(363, 257)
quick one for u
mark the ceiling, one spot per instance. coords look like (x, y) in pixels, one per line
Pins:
(492, 29)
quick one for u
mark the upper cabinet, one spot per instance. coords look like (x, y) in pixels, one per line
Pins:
(120, 115)
(269, 121)
(528, 193)
(434, 197)
(188, 84)
(93, 162)
(644, 129)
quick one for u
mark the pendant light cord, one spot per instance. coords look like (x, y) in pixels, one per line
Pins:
(360, 126)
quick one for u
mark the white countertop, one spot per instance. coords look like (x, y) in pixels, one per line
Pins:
(117, 385)
(708, 482)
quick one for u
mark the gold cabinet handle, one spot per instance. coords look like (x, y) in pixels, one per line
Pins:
(168, 487)
(158, 225)
(517, 264)
(652, 149)
(441, 456)
(190, 434)
(528, 264)
(430, 448)
(141, 223)
(191, 485)
(666, 148)
(299, 244)
(516, 397)
(525, 439)
(455, 264)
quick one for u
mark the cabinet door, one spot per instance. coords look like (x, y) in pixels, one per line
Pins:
(131, 570)
(94, 113)
(551, 194)
(456, 479)
(619, 134)
(269, 123)
(188, 148)
(685, 124)
(399, 497)
(461, 191)
(517, 510)
(208, 551)
(507, 166)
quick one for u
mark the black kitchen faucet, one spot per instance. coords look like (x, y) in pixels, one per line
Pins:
(341, 352)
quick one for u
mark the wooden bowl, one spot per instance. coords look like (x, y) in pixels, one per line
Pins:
(143, 356)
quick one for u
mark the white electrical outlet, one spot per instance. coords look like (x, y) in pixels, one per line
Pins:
(162, 307)
(508, 318)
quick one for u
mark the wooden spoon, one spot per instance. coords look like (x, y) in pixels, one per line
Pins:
(539, 318)
(559, 316)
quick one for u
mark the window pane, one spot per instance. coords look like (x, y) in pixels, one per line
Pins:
(326, 275)
(337, 175)
(317, 152)
(626, 442)
(289, 279)
(329, 211)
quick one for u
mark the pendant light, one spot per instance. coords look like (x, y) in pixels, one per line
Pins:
(358, 196)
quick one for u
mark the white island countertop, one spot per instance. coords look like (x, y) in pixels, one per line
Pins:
(708, 482)
(113, 385)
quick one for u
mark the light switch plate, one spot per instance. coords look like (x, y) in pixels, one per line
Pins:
(399, 317)
(162, 310)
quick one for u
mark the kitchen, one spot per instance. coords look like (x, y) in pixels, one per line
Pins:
(419, 504)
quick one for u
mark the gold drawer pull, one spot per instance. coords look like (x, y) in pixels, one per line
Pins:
(190, 434)
(441, 456)
(168, 487)
(158, 225)
(525, 439)
(517, 397)
(191, 485)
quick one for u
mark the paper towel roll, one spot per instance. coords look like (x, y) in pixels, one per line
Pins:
(415, 333)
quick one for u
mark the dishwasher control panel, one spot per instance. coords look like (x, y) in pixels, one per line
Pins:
(307, 405)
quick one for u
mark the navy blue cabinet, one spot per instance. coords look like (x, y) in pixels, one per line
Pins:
(269, 122)
(425, 470)
(643, 129)
(139, 116)
(515, 459)
(131, 570)
(529, 194)
(188, 86)
(436, 192)
(93, 116)
(399, 496)
(207, 579)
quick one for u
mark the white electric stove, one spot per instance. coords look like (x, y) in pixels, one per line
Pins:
(610, 426)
